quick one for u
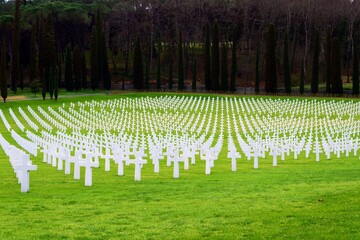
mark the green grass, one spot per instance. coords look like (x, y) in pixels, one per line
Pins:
(299, 199)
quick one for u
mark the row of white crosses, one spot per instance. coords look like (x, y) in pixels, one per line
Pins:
(5, 122)
(20, 162)
(16, 120)
(167, 127)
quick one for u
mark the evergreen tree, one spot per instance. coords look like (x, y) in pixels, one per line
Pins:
(180, 64)
(224, 67)
(138, 66)
(233, 62)
(302, 78)
(158, 67)
(257, 72)
(328, 62)
(95, 67)
(15, 60)
(51, 82)
(3, 79)
(77, 67)
(21, 78)
(43, 84)
(56, 83)
(270, 68)
(193, 84)
(83, 70)
(287, 73)
(69, 70)
(171, 74)
(335, 63)
(105, 66)
(315, 68)
(355, 73)
(33, 54)
(147, 74)
(207, 66)
(215, 73)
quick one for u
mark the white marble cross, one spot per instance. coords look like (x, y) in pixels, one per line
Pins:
(233, 155)
(22, 167)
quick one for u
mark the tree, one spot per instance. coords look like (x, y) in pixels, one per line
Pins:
(328, 62)
(270, 68)
(105, 72)
(21, 78)
(33, 53)
(158, 67)
(315, 68)
(257, 72)
(355, 73)
(95, 67)
(138, 75)
(69, 84)
(43, 84)
(193, 84)
(15, 60)
(287, 73)
(35, 86)
(56, 83)
(76, 66)
(215, 73)
(233, 62)
(180, 64)
(51, 82)
(302, 78)
(3, 79)
(224, 67)
(170, 82)
(83, 70)
(335, 63)
(207, 67)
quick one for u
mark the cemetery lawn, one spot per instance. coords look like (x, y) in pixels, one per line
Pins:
(299, 199)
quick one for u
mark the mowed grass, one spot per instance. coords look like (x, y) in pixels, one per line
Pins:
(299, 199)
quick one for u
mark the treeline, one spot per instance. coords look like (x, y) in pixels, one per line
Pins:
(268, 45)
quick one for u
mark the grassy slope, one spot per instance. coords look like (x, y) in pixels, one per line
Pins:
(300, 199)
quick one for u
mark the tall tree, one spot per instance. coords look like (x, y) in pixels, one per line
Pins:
(207, 67)
(180, 63)
(315, 68)
(336, 80)
(302, 78)
(3, 79)
(328, 62)
(95, 67)
(33, 54)
(21, 78)
(233, 62)
(69, 82)
(105, 72)
(170, 81)
(215, 72)
(224, 67)
(15, 60)
(158, 66)
(76, 65)
(355, 73)
(138, 75)
(270, 68)
(51, 82)
(193, 84)
(56, 83)
(83, 70)
(287, 72)
(257, 72)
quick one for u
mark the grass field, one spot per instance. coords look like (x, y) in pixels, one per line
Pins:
(299, 199)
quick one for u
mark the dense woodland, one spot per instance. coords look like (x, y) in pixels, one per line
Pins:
(213, 45)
